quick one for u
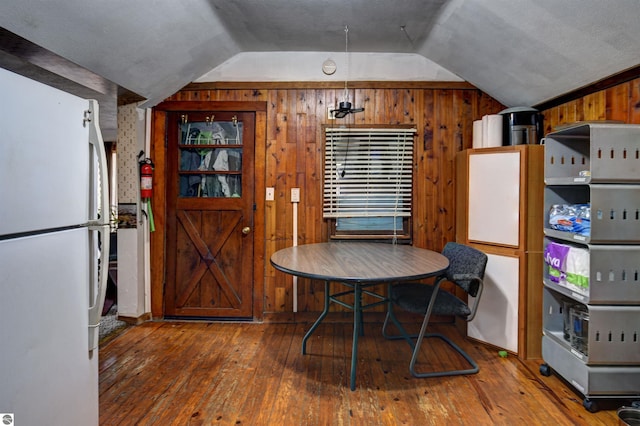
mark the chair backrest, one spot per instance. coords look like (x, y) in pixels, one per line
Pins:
(464, 260)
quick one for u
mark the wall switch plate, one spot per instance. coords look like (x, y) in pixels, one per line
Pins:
(270, 193)
(330, 113)
(295, 195)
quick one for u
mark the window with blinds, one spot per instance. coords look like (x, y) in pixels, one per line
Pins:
(368, 179)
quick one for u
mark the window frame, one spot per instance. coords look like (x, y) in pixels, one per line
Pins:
(403, 233)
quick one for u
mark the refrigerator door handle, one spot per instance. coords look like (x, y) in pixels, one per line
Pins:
(99, 208)
(98, 280)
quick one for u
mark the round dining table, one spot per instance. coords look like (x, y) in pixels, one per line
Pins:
(357, 266)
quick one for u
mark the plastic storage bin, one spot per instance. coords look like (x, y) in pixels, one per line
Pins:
(579, 329)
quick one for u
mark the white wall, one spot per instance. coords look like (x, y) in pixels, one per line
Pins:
(307, 66)
(133, 267)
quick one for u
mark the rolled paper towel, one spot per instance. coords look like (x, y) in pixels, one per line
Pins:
(485, 130)
(577, 268)
(477, 134)
(494, 130)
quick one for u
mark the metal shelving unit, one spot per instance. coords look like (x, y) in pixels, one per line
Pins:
(591, 320)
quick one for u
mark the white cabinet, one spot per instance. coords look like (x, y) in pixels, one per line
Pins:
(496, 318)
(499, 211)
(494, 198)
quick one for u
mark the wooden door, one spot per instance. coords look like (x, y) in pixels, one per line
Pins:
(210, 206)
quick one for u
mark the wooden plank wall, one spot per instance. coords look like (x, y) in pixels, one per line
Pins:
(443, 117)
(293, 158)
(619, 103)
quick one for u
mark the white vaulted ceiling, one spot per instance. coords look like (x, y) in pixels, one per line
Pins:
(521, 52)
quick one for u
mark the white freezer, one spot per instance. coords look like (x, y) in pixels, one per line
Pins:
(44, 157)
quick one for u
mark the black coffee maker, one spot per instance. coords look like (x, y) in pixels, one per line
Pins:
(521, 126)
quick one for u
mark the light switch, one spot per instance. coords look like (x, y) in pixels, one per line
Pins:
(295, 195)
(330, 114)
(270, 193)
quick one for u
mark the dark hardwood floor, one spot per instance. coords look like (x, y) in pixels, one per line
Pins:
(198, 373)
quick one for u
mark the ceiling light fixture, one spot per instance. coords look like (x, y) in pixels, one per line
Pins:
(344, 107)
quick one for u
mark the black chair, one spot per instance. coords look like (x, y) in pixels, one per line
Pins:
(466, 270)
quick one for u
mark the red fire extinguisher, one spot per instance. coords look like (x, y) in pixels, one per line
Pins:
(146, 178)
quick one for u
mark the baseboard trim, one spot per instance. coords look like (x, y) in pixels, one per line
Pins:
(135, 320)
(342, 317)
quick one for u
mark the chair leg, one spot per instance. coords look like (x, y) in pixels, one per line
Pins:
(474, 366)
(422, 335)
(416, 350)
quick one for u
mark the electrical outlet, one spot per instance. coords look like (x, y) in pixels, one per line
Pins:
(295, 195)
(330, 115)
(270, 193)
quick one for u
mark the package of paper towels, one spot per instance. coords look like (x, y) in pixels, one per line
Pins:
(477, 134)
(492, 130)
(568, 266)
(578, 270)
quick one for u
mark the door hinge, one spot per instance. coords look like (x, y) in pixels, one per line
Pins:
(255, 207)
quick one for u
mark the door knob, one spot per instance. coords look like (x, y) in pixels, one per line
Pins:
(246, 230)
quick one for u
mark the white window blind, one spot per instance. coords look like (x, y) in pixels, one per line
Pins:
(368, 172)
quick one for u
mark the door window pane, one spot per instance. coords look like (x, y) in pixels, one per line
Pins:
(210, 159)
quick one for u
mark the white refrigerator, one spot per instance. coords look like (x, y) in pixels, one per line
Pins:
(54, 239)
